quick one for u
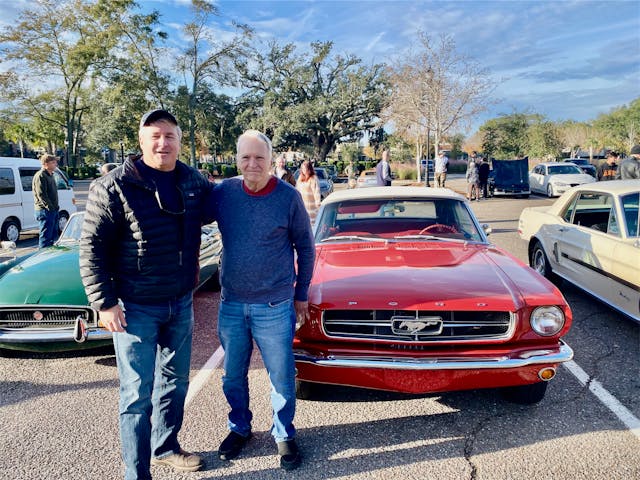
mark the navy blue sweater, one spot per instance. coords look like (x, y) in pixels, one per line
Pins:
(259, 236)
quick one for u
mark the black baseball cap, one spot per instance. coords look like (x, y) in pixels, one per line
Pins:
(155, 115)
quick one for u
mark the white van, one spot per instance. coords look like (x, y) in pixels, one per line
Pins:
(16, 197)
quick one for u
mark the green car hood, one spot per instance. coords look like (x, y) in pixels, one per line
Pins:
(49, 277)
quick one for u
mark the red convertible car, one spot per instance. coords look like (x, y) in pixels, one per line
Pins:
(409, 296)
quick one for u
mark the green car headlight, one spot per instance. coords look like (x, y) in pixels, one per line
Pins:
(547, 321)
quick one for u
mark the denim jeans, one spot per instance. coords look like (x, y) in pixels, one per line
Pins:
(153, 357)
(48, 225)
(272, 326)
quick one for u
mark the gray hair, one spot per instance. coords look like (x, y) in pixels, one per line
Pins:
(256, 134)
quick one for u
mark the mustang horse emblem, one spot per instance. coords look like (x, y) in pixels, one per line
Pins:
(415, 326)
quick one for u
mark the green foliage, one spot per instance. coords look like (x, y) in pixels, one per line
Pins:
(621, 127)
(543, 141)
(316, 98)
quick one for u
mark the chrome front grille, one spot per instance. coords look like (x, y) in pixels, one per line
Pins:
(411, 326)
(22, 317)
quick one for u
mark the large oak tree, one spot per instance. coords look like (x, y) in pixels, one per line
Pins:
(313, 97)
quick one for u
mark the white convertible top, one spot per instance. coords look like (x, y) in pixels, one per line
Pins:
(386, 192)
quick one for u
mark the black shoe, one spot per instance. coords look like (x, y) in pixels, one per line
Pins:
(290, 457)
(232, 445)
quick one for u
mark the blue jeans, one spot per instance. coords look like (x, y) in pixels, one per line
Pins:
(154, 357)
(48, 225)
(272, 326)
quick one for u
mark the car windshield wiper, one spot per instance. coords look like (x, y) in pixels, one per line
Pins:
(428, 237)
(339, 238)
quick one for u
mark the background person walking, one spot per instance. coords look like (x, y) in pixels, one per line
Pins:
(383, 170)
(45, 196)
(440, 169)
(630, 167)
(473, 180)
(309, 188)
(483, 177)
(608, 169)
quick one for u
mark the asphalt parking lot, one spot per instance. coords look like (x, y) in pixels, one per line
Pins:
(59, 411)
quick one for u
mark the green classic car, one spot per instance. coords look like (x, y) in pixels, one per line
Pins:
(43, 306)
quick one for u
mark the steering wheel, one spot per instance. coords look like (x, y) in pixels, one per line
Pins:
(438, 228)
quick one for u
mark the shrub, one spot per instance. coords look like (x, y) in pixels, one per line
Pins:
(229, 171)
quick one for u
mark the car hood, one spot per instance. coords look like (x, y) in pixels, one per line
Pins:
(571, 178)
(423, 275)
(48, 277)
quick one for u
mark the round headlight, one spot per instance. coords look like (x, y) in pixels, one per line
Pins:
(547, 321)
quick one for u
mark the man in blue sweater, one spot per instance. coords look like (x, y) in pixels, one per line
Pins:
(263, 223)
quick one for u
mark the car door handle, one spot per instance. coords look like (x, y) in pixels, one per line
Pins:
(563, 229)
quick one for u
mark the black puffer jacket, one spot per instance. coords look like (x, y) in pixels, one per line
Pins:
(130, 249)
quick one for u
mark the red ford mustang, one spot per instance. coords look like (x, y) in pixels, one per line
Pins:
(409, 296)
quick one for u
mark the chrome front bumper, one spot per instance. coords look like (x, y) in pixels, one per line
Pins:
(519, 359)
(49, 336)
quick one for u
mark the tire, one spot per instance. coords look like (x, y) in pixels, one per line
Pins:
(525, 394)
(539, 261)
(304, 390)
(10, 231)
(63, 218)
(549, 191)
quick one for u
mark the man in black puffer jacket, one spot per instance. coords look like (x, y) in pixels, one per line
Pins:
(139, 264)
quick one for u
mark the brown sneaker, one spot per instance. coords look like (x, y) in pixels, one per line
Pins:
(183, 461)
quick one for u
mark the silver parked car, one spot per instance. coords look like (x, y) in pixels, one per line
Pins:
(553, 178)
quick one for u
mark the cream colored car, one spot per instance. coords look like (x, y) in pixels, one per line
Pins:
(590, 237)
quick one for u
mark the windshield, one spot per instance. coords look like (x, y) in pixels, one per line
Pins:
(72, 230)
(397, 220)
(564, 169)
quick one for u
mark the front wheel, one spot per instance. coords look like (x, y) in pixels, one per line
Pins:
(304, 390)
(539, 261)
(549, 191)
(10, 231)
(525, 394)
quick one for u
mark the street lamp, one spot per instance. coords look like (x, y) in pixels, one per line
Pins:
(66, 152)
(426, 168)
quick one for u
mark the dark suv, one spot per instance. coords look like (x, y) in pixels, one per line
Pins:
(584, 165)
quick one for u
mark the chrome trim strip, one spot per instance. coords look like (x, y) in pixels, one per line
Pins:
(47, 336)
(563, 353)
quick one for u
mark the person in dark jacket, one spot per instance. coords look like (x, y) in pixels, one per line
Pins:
(139, 252)
(483, 174)
(608, 170)
(45, 200)
(383, 170)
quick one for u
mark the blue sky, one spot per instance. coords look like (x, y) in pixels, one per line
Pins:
(563, 59)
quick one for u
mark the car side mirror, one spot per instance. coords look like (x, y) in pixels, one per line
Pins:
(486, 228)
(9, 247)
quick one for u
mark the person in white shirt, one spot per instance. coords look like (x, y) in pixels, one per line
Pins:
(440, 169)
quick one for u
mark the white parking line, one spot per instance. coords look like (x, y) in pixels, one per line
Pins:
(200, 380)
(609, 401)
